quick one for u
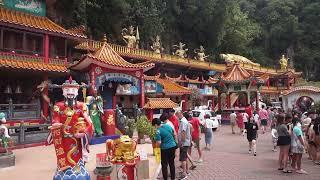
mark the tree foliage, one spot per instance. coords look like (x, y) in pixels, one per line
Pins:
(261, 30)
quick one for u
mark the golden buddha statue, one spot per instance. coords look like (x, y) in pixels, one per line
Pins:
(283, 63)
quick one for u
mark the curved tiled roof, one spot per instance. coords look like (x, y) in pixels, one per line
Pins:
(236, 74)
(160, 103)
(172, 88)
(29, 65)
(302, 88)
(106, 56)
(22, 19)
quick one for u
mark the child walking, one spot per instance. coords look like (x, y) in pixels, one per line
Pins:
(274, 135)
(252, 135)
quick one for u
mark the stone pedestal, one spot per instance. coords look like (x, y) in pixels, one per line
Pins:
(7, 160)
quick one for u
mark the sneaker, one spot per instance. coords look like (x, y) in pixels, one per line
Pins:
(200, 161)
(249, 151)
(274, 150)
(255, 154)
(183, 176)
(193, 167)
(301, 171)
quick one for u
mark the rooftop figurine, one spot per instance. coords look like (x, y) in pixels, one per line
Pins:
(156, 45)
(181, 52)
(283, 63)
(201, 56)
(131, 37)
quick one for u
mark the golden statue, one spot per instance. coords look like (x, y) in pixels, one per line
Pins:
(122, 150)
(180, 51)
(283, 63)
(131, 37)
(156, 45)
(201, 56)
(233, 58)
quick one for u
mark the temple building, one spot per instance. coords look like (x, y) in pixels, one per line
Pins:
(34, 49)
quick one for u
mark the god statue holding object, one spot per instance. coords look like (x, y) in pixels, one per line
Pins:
(200, 55)
(283, 63)
(70, 133)
(181, 52)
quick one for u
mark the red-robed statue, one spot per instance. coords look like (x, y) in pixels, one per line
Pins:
(70, 133)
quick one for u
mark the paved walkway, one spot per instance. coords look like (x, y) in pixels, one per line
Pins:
(229, 160)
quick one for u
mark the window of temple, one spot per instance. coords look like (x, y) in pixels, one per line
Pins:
(34, 44)
(12, 41)
(57, 47)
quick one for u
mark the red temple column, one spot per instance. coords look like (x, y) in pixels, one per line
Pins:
(212, 103)
(114, 101)
(257, 101)
(228, 101)
(46, 48)
(184, 104)
(150, 114)
(219, 101)
(142, 98)
(45, 105)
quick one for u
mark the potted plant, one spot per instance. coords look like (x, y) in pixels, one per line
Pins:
(142, 125)
(152, 134)
(130, 127)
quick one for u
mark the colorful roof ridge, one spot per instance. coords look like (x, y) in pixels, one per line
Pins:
(302, 88)
(22, 19)
(172, 88)
(151, 78)
(160, 103)
(106, 56)
(236, 74)
(29, 65)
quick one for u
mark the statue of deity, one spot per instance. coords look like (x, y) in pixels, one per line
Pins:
(201, 56)
(283, 63)
(4, 134)
(95, 105)
(131, 37)
(180, 51)
(156, 45)
(70, 133)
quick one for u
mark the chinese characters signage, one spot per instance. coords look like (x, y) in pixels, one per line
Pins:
(36, 7)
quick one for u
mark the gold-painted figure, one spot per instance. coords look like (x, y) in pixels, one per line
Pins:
(283, 62)
(121, 150)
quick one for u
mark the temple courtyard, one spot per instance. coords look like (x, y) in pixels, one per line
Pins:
(228, 160)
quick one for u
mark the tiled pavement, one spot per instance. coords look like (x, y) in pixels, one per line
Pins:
(229, 160)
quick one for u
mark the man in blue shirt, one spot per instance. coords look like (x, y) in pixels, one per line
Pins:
(165, 138)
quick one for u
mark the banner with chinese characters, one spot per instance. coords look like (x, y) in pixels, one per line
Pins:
(57, 142)
(36, 7)
(117, 77)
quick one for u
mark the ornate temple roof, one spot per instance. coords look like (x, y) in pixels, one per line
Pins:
(105, 56)
(29, 65)
(160, 103)
(20, 19)
(236, 74)
(302, 88)
(172, 88)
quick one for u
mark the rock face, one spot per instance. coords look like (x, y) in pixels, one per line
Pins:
(7, 160)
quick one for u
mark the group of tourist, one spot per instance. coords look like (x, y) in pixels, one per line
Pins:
(293, 132)
(177, 130)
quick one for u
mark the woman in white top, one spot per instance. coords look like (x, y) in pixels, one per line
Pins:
(208, 124)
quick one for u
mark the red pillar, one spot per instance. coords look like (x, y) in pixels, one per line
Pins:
(184, 104)
(212, 103)
(45, 105)
(228, 101)
(114, 101)
(92, 80)
(150, 114)
(257, 101)
(142, 98)
(46, 48)
(219, 102)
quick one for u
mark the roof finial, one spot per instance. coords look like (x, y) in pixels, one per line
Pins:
(104, 38)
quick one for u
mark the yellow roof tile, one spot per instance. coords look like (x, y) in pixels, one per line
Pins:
(160, 103)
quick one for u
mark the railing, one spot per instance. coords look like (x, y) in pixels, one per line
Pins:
(167, 58)
(21, 111)
(13, 56)
(23, 57)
